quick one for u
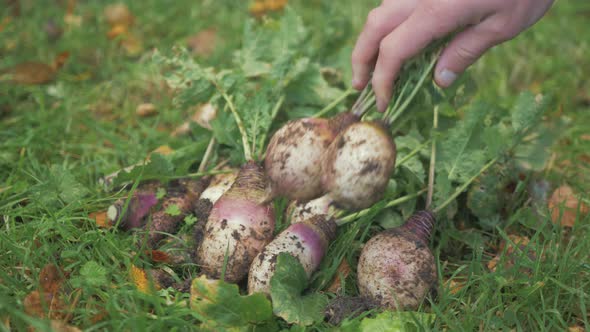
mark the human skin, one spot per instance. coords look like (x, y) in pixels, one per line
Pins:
(399, 29)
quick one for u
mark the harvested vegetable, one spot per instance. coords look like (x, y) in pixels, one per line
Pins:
(295, 151)
(307, 241)
(241, 223)
(299, 211)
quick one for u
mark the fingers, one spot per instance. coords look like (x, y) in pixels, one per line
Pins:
(380, 21)
(409, 38)
(466, 48)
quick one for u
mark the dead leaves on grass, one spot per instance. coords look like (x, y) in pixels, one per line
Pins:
(566, 207)
(34, 73)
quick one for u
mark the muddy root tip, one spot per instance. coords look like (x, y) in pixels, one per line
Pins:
(327, 226)
(421, 223)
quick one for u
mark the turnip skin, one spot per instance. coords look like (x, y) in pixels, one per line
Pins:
(307, 241)
(301, 211)
(219, 184)
(396, 269)
(294, 154)
(241, 222)
(358, 165)
(138, 208)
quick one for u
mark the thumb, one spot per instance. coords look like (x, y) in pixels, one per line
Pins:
(465, 48)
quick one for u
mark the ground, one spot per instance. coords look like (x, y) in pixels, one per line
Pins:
(58, 139)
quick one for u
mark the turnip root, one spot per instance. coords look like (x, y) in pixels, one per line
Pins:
(138, 208)
(295, 151)
(183, 195)
(241, 223)
(358, 164)
(219, 184)
(300, 211)
(307, 241)
(396, 268)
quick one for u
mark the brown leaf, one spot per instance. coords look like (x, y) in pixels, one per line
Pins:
(132, 45)
(60, 60)
(61, 326)
(118, 14)
(44, 305)
(204, 114)
(585, 137)
(576, 328)
(147, 109)
(73, 21)
(342, 273)
(31, 73)
(140, 279)
(158, 256)
(565, 206)
(163, 150)
(117, 30)
(455, 286)
(101, 219)
(512, 250)
(203, 43)
(50, 279)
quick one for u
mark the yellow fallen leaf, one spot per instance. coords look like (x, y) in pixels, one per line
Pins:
(101, 219)
(146, 109)
(163, 150)
(565, 206)
(118, 14)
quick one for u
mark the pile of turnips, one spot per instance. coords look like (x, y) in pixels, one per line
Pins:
(326, 168)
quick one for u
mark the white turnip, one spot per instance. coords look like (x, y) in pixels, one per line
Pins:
(396, 269)
(240, 224)
(307, 241)
(295, 152)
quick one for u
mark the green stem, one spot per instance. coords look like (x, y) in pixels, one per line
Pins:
(197, 174)
(356, 215)
(413, 153)
(464, 186)
(432, 160)
(273, 114)
(333, 104)
(240, 124)
(407, 101)
(207, 155)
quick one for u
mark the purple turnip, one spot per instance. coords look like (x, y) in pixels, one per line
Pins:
(396, 268)
(298, 211)
(240, 224)
(307, 241)
(138, 208)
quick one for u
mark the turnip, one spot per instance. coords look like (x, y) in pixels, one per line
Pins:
(307, 241)
(295, 151)
(240, 224)
(358, 165)
(138, 208)
(299, 211)
(396, 269)
(179, 201)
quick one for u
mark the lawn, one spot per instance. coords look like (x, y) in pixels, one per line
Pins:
(511, 268)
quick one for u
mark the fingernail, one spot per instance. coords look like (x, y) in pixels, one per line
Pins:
(381, 105)
(446, 77)
(356, 83)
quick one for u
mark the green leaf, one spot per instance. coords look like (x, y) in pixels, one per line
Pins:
(160, 193)
(173, 210)
(222, 307)
(59, 185)
(390, 321)
(190, 219)
(527, 111)
(94, 274)
(287, 284)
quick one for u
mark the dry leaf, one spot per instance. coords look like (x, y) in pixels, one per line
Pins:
(261, 7)
(73, 21)
(183, 129)
(139, 277)
(30, 73)
(163, 150)
(204, 114)
(117, 30)
(576, 328)
(585, 137)
(50, 279)
(132, 45)
(565, 206)
(455, 286)
(158, 256)
(61, 326)
(44, 305)
(203, 43)
(101, 219)
(118, 14)
(511, 253)
(341, 274)
(6, 322)
(146, 109)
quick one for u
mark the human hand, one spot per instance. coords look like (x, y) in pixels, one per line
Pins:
(399, 29)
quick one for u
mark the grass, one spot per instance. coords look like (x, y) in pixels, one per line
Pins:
(57, 140)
